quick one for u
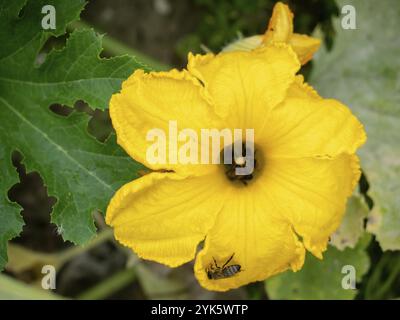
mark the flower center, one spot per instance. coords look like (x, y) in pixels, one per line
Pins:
(239, 164)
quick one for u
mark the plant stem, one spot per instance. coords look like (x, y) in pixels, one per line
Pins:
(111, 285)
(12, 289)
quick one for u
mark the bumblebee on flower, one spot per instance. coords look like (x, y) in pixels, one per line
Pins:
(305, 163)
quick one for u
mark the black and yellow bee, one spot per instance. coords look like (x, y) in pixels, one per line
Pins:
(214, 272)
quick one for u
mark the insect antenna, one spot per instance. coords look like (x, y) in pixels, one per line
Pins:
(228, 260)
(215, 262)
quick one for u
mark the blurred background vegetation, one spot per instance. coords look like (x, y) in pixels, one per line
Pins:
(165, 31)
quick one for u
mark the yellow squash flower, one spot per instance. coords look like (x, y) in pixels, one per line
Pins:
(306, 166)
(280, 29)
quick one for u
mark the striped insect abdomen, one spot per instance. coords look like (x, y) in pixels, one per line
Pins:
(230, 271)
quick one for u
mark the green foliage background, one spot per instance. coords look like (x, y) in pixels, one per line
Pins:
(79, 171)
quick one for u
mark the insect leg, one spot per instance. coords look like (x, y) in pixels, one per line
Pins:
(228, 260)
(215, 261)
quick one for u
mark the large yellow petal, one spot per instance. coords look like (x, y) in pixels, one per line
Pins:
(250, 227)
(150, 100)
(304, 127)
(312, 194)
(245, 86)
(301, 89)
(163, 216)
(263, 224)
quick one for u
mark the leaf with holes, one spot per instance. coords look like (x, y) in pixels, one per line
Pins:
(362, 70)
(79, 171)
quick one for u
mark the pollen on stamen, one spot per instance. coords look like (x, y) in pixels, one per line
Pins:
(239, 162)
